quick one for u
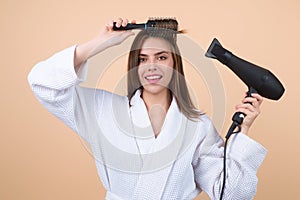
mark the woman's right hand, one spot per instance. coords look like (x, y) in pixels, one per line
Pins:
(105, 39)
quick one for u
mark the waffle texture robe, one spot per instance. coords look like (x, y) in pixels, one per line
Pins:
(185, 159)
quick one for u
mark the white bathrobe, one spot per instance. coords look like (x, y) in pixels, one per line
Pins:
(185, 159)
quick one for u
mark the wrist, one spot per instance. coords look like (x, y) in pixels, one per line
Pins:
(244, 130)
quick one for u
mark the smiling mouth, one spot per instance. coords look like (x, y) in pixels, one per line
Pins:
(153, 77)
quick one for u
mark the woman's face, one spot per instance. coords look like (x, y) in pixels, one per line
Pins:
(155, 65)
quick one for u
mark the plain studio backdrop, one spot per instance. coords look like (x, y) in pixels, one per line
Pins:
(41, 158)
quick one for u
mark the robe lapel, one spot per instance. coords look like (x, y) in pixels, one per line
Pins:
(142, 128)
(158, 154)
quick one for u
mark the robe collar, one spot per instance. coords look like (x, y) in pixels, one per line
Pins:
(141, 121)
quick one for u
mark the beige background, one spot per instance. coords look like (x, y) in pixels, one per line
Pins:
(43, 159)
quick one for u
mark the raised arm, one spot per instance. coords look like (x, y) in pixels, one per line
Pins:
(55, 80)
(105, 39)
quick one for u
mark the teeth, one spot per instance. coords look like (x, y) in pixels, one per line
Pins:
(153, 77)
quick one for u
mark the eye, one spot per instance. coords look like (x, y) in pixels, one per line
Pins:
(162, 57)
(141, 59)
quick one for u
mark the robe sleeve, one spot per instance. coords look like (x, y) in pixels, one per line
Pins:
(54, 83)
(244, 156)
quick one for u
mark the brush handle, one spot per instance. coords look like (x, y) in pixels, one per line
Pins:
(129, 26)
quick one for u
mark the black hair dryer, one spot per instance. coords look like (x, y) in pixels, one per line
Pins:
(258, 79)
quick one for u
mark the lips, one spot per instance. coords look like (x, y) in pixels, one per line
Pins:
(153, 78)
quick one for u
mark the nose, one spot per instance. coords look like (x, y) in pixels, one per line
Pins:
(152, 64)
(152, 67)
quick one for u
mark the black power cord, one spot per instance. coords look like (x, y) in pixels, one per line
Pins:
(237, 119)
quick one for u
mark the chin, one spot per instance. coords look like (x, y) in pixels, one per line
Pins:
(154, 89)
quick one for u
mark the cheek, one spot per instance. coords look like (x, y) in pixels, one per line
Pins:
(167, 69)
(168, 63)
(140, 71)
(170, 68)
(168, 73)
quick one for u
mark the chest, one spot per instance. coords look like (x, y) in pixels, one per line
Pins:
(157, 115)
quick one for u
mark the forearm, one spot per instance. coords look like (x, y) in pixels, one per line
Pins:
(88, 49)
(244, 156)
(105, 39)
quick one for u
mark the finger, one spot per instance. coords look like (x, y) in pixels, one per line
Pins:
(249, 114)
(250, 100)
(258, 97)
(256, 102)
(255, 95)
(119, 22)
(125, 22)
(246, 106)
(133, 21)
(110, 23)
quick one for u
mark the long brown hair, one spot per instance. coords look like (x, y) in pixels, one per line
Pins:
(177, 86)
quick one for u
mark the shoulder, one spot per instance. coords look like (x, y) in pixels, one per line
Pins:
(205, 129)
(99, 97)
(203, 121)
(99, 93)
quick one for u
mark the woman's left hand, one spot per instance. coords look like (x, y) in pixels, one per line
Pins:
(251, 110)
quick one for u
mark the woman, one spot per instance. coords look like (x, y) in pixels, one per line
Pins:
(154, 143)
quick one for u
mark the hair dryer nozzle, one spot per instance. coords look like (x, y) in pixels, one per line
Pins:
(209, 52)
(216, 51)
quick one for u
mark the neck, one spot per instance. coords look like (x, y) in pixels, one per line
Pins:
(162, 99)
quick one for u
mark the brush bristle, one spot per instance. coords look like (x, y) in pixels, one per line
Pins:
(165, 27)
(164, 23)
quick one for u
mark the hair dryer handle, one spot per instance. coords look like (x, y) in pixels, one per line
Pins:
(251, 90)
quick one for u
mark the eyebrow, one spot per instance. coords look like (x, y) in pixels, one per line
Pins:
(158, 53)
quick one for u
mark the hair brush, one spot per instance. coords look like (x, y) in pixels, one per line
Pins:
(163, 23)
